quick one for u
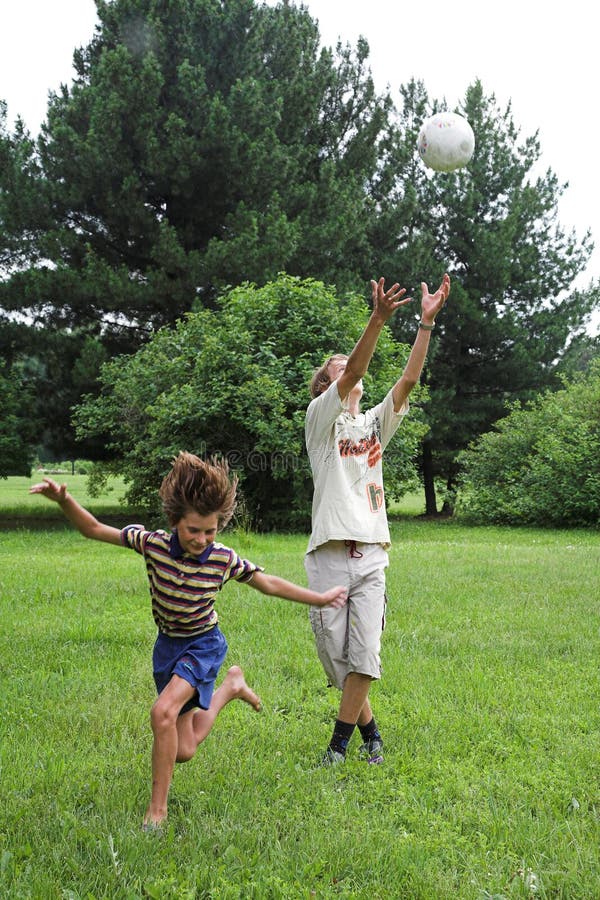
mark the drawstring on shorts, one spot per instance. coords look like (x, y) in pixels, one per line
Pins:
(353, 553)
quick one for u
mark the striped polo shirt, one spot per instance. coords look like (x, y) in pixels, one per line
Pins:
(183, 587)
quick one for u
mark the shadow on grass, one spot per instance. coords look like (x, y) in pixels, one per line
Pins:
(55, 521)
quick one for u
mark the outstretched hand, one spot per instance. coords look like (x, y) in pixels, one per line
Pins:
(50, 489)
(432, 303)
(335, 597)
(386, 302)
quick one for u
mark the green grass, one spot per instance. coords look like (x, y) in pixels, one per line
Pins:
(17, 502)
(410, 505)
(488, 705)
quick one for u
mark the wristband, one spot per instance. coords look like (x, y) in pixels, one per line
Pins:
(426, 327)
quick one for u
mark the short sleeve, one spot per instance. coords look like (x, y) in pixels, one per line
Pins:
(135, 537)
(389, 418)
(240, 569)
(321, 415)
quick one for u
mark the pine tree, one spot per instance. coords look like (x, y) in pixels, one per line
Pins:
(201, 144)
(512, 311)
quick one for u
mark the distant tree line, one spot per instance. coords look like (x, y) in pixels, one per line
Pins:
(203, 146)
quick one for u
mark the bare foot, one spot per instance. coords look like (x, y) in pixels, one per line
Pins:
(153, 823)
(235, 683)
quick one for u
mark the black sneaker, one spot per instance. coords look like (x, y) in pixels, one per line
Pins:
(372, 751)
(332, 758)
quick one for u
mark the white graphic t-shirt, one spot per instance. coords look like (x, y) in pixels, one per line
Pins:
(345, 456)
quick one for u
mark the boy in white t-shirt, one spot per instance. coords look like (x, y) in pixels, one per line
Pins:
(350, 535)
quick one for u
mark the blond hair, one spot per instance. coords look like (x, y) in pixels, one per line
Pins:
(321, 378)
(194, 485)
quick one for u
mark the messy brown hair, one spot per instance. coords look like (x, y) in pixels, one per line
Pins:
(194, 485)
(321, 378)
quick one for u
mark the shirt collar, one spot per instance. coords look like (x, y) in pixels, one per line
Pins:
(176, 551)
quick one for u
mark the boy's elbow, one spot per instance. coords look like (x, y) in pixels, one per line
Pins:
(262, 583)
(407, 383)
(269, 588)
(354, 372)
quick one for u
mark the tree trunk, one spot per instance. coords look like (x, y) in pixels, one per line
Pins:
(428, 481)
(449, 499)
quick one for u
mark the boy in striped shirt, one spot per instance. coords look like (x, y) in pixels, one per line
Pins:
(186, 568)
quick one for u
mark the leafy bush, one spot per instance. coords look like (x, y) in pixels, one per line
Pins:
(235, 382)
(541, 465)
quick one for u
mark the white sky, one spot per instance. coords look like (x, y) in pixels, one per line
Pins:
(543, 57)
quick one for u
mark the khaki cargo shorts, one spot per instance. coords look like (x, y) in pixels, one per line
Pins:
(349, 639)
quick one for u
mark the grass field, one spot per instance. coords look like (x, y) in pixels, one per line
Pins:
(488, 706)
(17, 503)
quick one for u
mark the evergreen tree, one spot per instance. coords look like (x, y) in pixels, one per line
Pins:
(201, 144)
(512, 311)
(16, 427)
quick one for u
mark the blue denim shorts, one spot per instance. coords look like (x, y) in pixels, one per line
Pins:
(196, 659)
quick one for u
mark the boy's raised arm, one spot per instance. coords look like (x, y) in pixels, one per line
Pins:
(431, 304)
(83, 520)
(385, 303)
(279, 587)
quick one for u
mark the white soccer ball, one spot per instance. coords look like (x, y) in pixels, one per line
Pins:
(446, 142)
